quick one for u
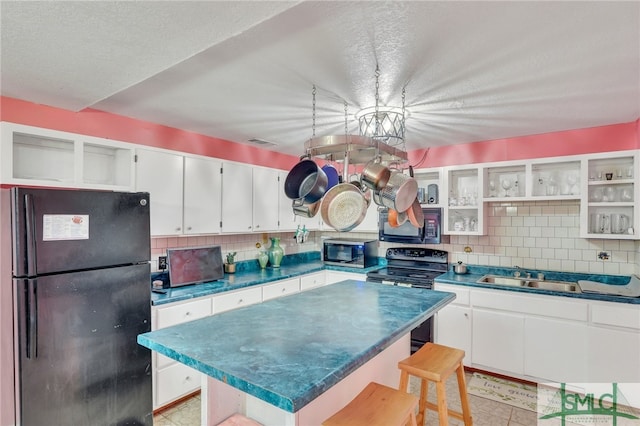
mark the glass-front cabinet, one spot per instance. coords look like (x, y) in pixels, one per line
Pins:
(507, 183)
(609, 209)
(430, 187)
(464, 207)
(556, 179)
(44, 157)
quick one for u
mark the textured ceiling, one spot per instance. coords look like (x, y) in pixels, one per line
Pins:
(240, 70)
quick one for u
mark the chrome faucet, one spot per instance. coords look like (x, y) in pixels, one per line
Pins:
(517, 272)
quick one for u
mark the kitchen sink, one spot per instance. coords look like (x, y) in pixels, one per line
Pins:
(564, 286)
(502, 280)
(555, 286)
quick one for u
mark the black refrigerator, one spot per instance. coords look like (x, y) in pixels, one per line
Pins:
(82, 296)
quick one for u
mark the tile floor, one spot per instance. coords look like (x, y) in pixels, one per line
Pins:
(484, 411)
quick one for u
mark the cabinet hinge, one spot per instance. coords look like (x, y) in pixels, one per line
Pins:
(221, 170)
(135, 158)
(220, 224)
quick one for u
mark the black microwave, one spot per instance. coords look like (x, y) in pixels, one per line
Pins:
(430, 233)
(350, 252)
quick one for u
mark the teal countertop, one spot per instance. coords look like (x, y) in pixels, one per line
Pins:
(290, 350)
(248, 274)
(475, 272)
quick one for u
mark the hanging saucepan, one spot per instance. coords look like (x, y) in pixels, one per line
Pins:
(415, 214)
(399, 192)
(365, 191)
(303, 209)
(375, 175)
(333, 177)
(395, 218)
(306, 181)
(343, 207)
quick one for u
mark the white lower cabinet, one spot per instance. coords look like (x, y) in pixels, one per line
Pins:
(555, 350)
(543, 338)
(453, 322)
(498, 340)
(236, 299)
(614, 343)
(307, 282)
(171, 379)
(280, 288)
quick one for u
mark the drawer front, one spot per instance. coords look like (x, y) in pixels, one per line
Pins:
(236, 299)
(175, 381)
(281, 288)
(617, 315)
(462, 294)
(183, 312)
(549, 306)
(311, 281)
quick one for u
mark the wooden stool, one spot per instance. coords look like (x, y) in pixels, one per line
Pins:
(436, 363)
(377, 405)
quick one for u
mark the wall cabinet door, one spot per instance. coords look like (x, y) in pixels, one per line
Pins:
(498, 340)
(555, 350)
(287, 220)
(202, 196)
(161, 174)
(266, 189)
(237, 198)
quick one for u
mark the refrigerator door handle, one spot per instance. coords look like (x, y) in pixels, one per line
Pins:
(30, 230)
(32, 319)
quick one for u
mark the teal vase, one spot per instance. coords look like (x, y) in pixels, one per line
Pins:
(263, 259)
(275, 252)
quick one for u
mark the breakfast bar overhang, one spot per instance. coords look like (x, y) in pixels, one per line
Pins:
(297, 359)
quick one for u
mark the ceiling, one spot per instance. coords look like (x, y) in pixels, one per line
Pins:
(240, 70)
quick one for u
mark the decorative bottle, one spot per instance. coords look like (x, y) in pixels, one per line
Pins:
(275, 252)
(263, 259)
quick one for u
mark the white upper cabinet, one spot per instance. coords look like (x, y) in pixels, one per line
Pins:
(36, 156)
(611, 193)
(430, 187)
(266, 191)
(287, 219)
(184, 192)
(237, 198)
(463, 206)
(202, 195)
(161, 175)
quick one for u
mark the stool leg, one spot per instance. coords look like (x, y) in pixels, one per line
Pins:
(422, 410)
(404, 381)
(443, 413)
(464, 400)
(412, 419)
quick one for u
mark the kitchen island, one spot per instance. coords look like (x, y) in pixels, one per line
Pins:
(297, 359)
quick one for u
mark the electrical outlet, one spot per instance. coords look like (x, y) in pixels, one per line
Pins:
(162, 262)
(604, 255)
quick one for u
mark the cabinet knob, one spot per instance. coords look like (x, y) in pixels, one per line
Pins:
(257, 226)
(284, 289)
(466, 315)
(240, 301)
(178, 228)
(188, 228)
(187, 313)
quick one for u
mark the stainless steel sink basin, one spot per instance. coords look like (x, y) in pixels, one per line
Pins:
(555, 286)
(564, 286)
(502, 280)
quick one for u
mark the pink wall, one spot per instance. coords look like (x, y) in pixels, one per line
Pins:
(614, 137)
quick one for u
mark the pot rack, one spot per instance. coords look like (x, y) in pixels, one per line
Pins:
(353, 149)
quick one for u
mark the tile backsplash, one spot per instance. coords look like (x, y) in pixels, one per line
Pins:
(532, 235)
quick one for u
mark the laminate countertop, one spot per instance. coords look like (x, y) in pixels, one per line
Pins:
(290, 350)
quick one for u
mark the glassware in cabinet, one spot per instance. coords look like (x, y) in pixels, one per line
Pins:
(609, 208)
(504, 182)
(559, 180)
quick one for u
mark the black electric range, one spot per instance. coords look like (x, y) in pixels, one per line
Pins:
(413, 267)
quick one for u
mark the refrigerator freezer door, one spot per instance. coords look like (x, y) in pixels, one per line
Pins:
(64, 230)
(80, 363)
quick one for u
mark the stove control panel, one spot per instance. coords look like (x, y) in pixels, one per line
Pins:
(419, 254)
